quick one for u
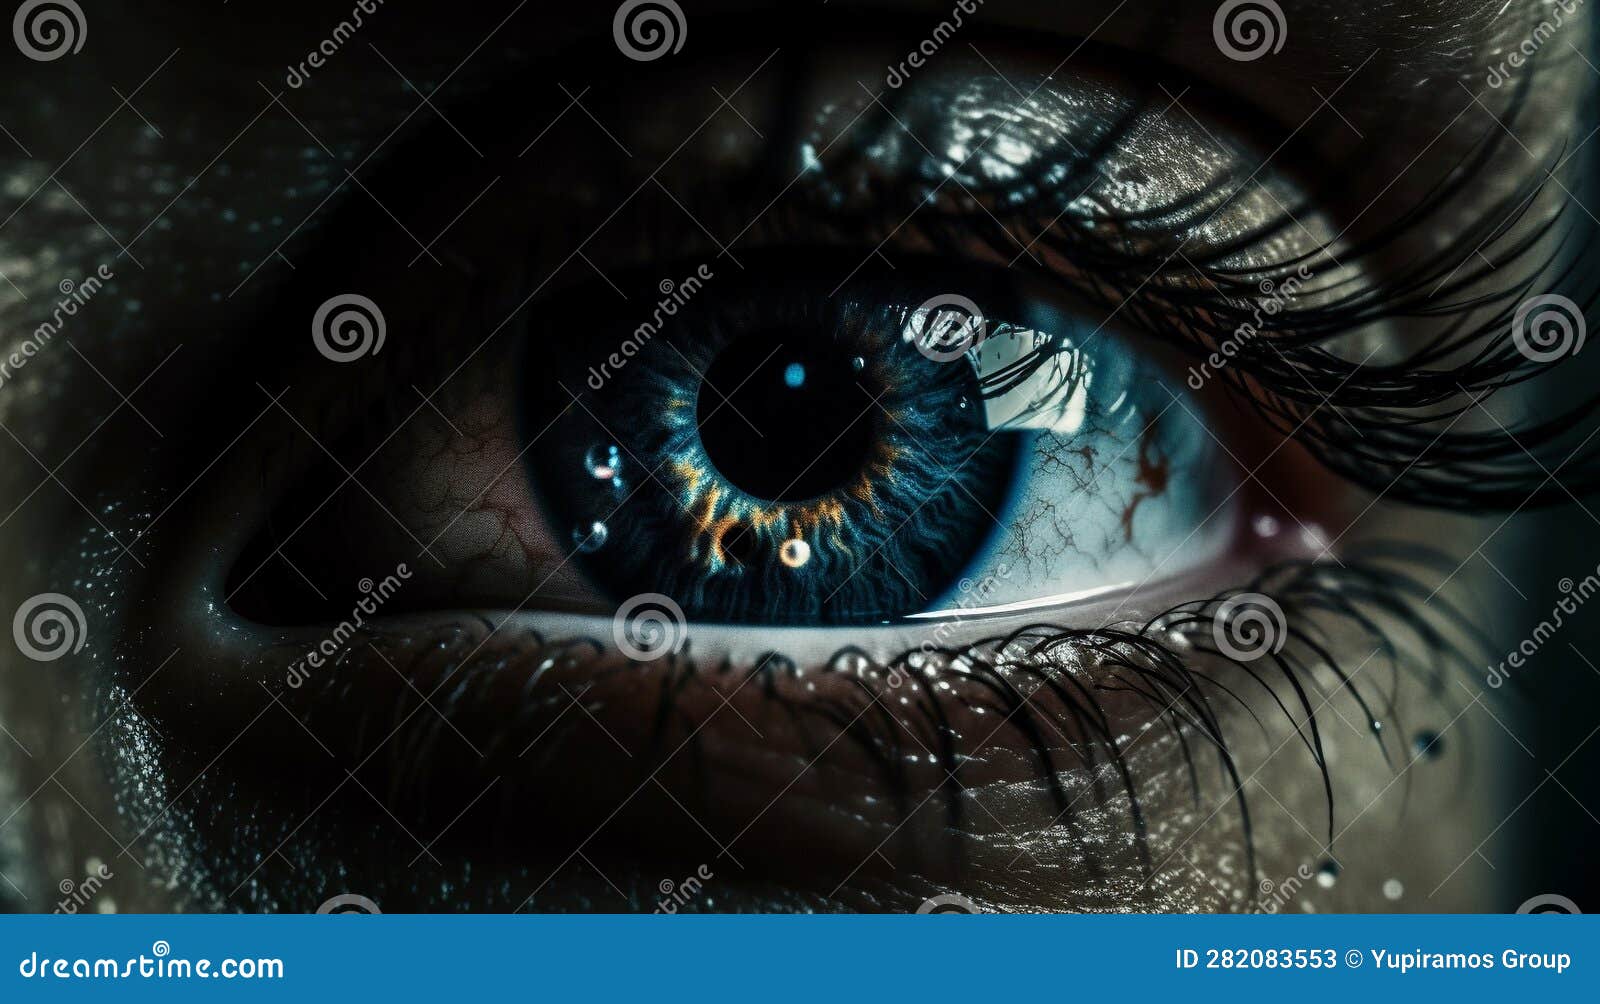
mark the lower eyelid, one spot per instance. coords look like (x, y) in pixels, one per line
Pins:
(456, 703)
(563, 725)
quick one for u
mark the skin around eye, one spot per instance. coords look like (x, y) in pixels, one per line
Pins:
(902, 724)
(554, 544)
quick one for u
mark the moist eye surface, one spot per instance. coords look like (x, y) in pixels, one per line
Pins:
(774, 454)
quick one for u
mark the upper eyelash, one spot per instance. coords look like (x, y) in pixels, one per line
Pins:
(1387, 427)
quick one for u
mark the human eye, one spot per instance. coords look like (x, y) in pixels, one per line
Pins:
(777, 447)
(848, 481)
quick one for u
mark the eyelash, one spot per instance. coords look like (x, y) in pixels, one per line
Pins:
(1369, 424)
(1032, 687)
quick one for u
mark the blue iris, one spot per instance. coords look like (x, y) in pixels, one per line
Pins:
(787, 457)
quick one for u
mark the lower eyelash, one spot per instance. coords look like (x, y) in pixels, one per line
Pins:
(1174, 663)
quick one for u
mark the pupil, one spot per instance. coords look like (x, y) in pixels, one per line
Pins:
(783, 418)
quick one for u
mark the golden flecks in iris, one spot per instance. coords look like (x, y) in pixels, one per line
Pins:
(690, 474)
(717, 512)
(708, 518)
(881, 467)
(717, 528)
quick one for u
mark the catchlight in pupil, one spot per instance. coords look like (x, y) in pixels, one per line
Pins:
(796, 420)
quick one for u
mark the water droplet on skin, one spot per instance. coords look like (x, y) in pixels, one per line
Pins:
(591, 538)
(1313, 537)
(858, 364)
(853, 662)
(1428, 745)
(1328, 874)
(1393, 890)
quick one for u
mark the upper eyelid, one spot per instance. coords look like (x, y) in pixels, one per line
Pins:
(1338, 390)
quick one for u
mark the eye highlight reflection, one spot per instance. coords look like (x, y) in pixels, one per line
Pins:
(777, 454)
